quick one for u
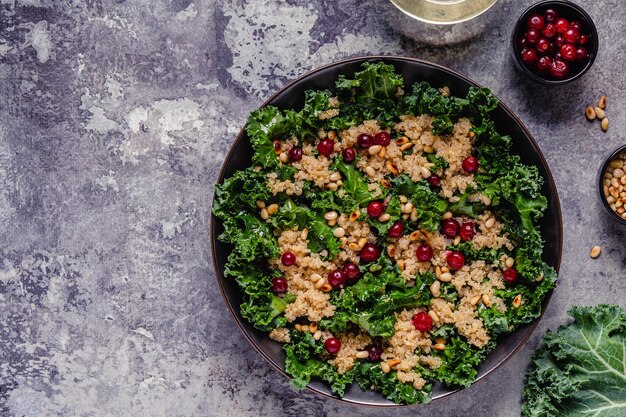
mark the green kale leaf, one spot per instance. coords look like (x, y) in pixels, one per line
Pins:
(371, 376)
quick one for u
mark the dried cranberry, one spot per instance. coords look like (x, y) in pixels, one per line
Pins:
(336, 279)
(351, 272)
(422, 322)
(348, 155)
(450, 228)
(559, 69)
(424, 253)
(295, 154)
(375, 209)
(568, 52)
(396, 230)
(364, 140)
(509, 275)
(455, 260)
(288, 258)
(326, 147)
(468, 230)
(434, 180)
(279, 285)
(370, 253)
(561, 25)
(332, 345)
(470, 164)
(382, 138)
(375, 352)
(535, 22)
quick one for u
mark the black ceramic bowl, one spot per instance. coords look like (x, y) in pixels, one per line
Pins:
(413, 70)
(605, 203)
(570, 11)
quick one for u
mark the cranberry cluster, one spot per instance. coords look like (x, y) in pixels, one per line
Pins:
(552, 44)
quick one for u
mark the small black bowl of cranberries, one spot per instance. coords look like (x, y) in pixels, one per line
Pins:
(555, 42)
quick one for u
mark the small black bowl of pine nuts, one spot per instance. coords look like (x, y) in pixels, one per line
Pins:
(612, 181)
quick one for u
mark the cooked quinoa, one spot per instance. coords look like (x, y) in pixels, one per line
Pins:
(385, 248)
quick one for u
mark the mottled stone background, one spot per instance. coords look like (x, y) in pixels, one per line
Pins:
(115, 117)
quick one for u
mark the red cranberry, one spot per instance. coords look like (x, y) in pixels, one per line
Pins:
(348, 155)
(509, 275)
(450, 228)
(559, 41)
(571, 35)
(568, 52)
(467, 231)
(543, 45)
(424, 253)
(422, 322)
(528, 55)
(583, 39)
(574, 24)
(382, 138)
(364, 140)
(532, 36)
(535, 22)
(375, 209)
(550, 15)
(559, 69)
(332, 345)
(326, 147)
(434, 180)
(370, 253)
(375, 352)
(549, 31)
(470, 164)
(455, 259)
(277, 145)
(351, 272)
(396, 230)
(279, 285)
(581, 53)
(295, 154)
(561, 25)
(523, 43)
(336, 279)
(288, 258)
(543, 64)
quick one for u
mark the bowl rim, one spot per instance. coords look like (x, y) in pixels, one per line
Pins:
(440, 23)
(550, 183)
(564, 3)
(603, 169)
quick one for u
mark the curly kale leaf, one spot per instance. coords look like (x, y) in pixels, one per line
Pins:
(580, 370)
(428, 204)
(371, 376)
(240, 192)
(354, 185)
(439, 163)
(264, 125)
(458, 363)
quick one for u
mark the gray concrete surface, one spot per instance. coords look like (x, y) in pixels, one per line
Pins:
(115, 117)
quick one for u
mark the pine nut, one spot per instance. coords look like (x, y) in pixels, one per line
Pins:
(391, 250)
(471, 135)
(447, 215)
(384, 218)
(332, 135)
(428, 149)
(298, 327)
(339, 183)
(490, 222)
(445, 269)
(401, 265)
(272, 209)
(486, 300)
(622, 180)
(335, 176)
(406, 146)
(425, 172)
(283, 157)
(403, 199)
(616, 163)
(618, 172)
(264, 214)
(315, 277)
(595, 251)
(326, 287)
(382, 153)
(304, 233)
(260, 204)
(385, 183)
(456, 240)
(408, 207)
(319, 284)
(354, 215)
(402, 140)
(406, 216)
(392, 168)
(370, 171)
(590, 113)
(485, 200)
(313, 327)
(437, 272)
(475, 299)
(415, 235)
(343, 240)
(304, 328)
(605, 124)
(331, 223)
(435, 289)
(354, 246)
(331, 215)
(362, 242)
(393, 362)
(433, 316)
(615, 182)
(332, 186)
(414, 215)
(445, 277)
(374, 149)
(602, 102)
(384, 367)
(317, 335)
(539, 277)
(339, 232)
(362, 354)
(439, 346)
(509, 262)
(599, 113)
(517, 301)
